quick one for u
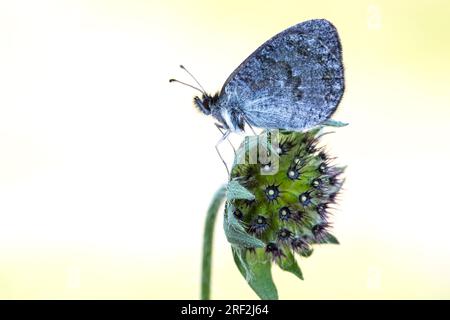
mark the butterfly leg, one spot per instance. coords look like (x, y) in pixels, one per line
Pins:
(222, 139)
(220, 128)
(251, 128)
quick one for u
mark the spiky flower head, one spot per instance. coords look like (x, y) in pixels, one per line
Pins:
(279, 206)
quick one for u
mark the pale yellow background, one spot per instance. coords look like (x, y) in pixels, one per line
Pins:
(106, 170)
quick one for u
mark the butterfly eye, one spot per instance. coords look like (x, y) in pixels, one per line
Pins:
(203, 106)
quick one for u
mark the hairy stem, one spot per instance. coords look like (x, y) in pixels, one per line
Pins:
(208, 235)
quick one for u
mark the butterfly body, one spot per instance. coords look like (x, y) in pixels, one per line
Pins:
(294, 81)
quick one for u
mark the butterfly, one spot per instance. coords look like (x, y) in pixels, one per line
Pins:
(294, 81)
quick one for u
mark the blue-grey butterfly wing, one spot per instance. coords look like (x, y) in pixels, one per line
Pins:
(293, 81)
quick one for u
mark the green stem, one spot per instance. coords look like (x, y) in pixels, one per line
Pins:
(208, 235)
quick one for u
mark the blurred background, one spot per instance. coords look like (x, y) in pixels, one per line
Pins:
(106, 169)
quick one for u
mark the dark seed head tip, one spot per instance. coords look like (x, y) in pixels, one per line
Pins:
(323, 167)
(273, 249)
(284, 213)
(258, 226)
(238, 214)
(272, 192)
(316, 183)
(304, 198)
(284, 234)
(293, 174)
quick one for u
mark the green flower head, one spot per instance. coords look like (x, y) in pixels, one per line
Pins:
(281, 190)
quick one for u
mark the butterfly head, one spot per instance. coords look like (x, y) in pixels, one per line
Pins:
(229, 119)
(206, 103)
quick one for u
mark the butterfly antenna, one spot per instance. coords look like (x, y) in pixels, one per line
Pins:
(186, 84)
(192, 76)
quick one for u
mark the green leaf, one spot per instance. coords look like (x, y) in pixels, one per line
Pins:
(236, 191)
(334, 123)
(256, 269)
(235, 232)
(331, 239)
(289, 263)
(307, 253)
(328, 238)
